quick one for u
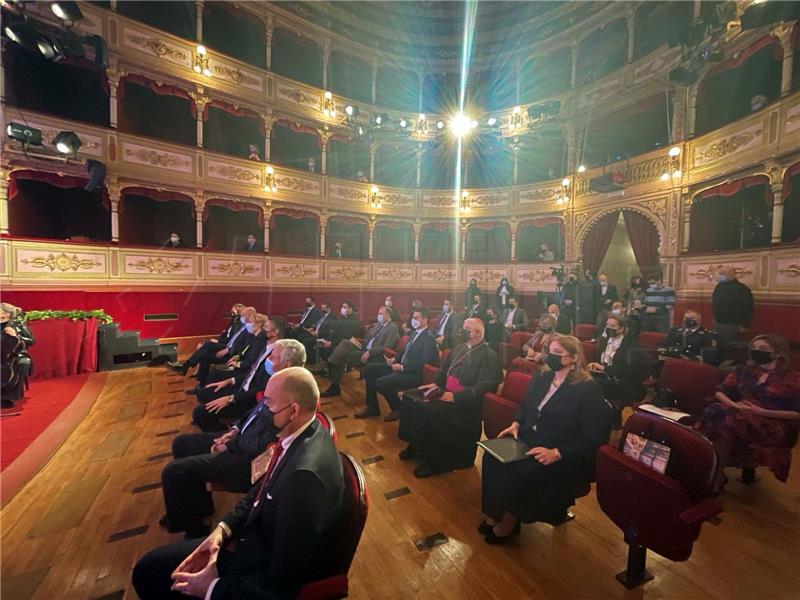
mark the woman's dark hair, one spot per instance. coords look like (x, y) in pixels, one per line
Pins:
(780, 347)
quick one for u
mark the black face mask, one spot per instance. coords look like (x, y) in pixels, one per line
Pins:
(554, 362)
(761, 357)
(546, 329)
(309, 304)
(690, 323)
(611, 332)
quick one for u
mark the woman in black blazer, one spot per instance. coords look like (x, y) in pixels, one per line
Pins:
(621, 368)
(563, 421)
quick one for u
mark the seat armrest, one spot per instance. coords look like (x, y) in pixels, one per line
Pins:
(705, 510)
(497, 399)
(508, 352)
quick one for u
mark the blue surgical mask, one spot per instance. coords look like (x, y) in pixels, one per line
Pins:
(381, 318)
(269, 367)
(250, 327)
(722, 278)
(243, 320)
(415, 323)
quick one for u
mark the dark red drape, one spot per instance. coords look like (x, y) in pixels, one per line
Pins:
(787, 179)
(63, 347)
(393, 241)
(598, 240)
(644, 240)
(734, 187)
(157, 195)
(736, 61)
(54, 179)
(235, 207)
(163, 89)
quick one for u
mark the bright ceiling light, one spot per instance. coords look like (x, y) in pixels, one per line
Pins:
(201, 50)
(582, 169)
(461, 125)
(492, 121)
(439, 124)
(565, 182)
(674, 151)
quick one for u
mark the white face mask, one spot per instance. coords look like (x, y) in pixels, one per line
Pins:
(616, 311)
(344, 311)
(415, 323)
(446, 308)
(381, 318)
(173, 239)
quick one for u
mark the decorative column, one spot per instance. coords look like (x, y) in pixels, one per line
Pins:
(417, 232)
(326, 57)
(515, 147)
(113, 189)
(419, 165)
(267, 215)
(371, 227)
(419, 97)
(691, 110)
(5, 180)
(687, 212)
(678, 95)
(199, 17)
(113, 5)
(784, 34)
(199, 207)
(463, 236)
(268, 39)
(373, 151)
(324, 136)
(375, 80)
(519, 79)
(776, 183)
(200, 102)
(697, 10)
(574, 56)
(113, 75)
(513, 225)
(323, 221)
(268, 120)
(631, 32)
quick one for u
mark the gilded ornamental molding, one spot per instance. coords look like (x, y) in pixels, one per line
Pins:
(62, 262)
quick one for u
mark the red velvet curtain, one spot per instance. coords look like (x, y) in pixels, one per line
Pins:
(163, 89)
(157, 195)
(597, 241)
(54, 179)
(644, 240)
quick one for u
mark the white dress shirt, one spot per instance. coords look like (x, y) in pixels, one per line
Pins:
(611, 349)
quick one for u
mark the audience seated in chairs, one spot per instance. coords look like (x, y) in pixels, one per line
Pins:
(382, 335)
(691, 341)
(199, 458)
(308, 320)
(615, 309)
(401, 373)
(534, 358)
(415, 306)
(514, 318)
(235, 395)
(562, 422)
(233, 339)
(757, 414)
(16, 362)
(317, 330)
(442, 429)
(495, 332)
(620, 369)
(476, 309)
(344, 328)
(448, 330)
(283, 529)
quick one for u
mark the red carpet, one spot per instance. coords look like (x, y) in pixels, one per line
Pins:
(42, 404)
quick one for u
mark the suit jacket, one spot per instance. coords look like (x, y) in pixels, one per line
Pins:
(234, 326)
(478, 372)
(311, 317)
(628, 366)
(452, 329)
(475, 311)
(382, 337)
(257, 247)
(288, 539)
(344, 328)
(520, 321)
(609, 297)
(564, 324)
(249, 357)
(576, 419)
(258, 435)
(419, 351)
(325, 325)
(242, 341)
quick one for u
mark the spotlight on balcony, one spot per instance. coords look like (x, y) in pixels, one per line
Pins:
(67, 142)
(440, 125)
(29, 136)
(66, 11)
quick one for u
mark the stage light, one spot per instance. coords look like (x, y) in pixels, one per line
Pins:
(517, 110)
(20, 33)
(581, 169)
(29, 136)
(676, 173)
(270, 182)
(50, 48)
(13, 6)
(66, 11)
(67, 142)
(421, 117)
(674, 151)
(665, 177)
(201, 61)
(491, 121)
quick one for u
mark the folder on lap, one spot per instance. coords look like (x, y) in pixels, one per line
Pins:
(506, 449)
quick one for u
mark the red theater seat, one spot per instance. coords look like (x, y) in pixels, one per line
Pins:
(354, 517)
(513, 347)
(584, 331)
(328, 424)
(589, 351)
(523, 365)
(651, 340)
(429, 371)
(691, 382)
(659, 512)
(401, 345)
(500, 409)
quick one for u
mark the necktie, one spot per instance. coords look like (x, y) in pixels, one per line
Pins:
(235, 335)
(254, 368)
(253, 414)
(443, 324)
(372, 339)
(305, 314)
(408, 347)
(277, 450)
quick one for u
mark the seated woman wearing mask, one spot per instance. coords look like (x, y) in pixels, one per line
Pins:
(620, 371)
(563, 421)
(757, 414)
(495, 332)
(547, 324)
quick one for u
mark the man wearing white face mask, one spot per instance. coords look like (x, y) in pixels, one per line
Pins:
(174, 241)
(448, 329)
(222, 458)
(383, 334)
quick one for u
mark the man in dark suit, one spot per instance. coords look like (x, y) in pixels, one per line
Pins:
(476, 309)
(563, 322)
(236, 395)
(382, 335)
(237, 344)
(415, 306)
(207, 350)
(346, 327)
(393, 375)
(608, 292)
(280, 535)
(389, 304)
(308, 319)
(514, 318)
(251, 244)
(448, 330)
(442, 432)
(174, 241)
(691, 341)
(199, 458)
(316, 329)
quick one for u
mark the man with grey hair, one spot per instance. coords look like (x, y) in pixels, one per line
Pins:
(220, 458)
(282, 530)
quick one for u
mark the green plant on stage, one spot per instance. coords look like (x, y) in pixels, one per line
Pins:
(75, 315)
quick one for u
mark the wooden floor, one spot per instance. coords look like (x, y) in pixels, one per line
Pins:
(79, 525)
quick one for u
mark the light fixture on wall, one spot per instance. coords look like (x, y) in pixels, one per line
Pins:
(516, 118)
(201, 61)
(421, 126)
(673, 170)
(270, 181)
(67, 143)
(464, 205)
(328, 105)
(563, 196)
(375, 197)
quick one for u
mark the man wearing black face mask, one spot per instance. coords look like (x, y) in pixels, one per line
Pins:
(199, 458)
(691, 341)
